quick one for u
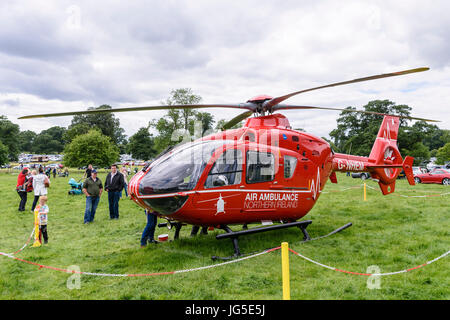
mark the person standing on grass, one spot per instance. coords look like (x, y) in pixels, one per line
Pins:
(88, 171)
(21, 188)
(92, 188)
(40, 184)
(114, 184)
(149, 232)
(125, 179)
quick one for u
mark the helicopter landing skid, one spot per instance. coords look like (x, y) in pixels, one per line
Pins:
(235, 234)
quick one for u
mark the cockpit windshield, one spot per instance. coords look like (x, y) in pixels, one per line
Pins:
(181, 169)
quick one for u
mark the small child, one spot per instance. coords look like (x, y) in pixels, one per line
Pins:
(40, 221)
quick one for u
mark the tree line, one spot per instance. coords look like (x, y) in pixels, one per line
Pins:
(99, 139)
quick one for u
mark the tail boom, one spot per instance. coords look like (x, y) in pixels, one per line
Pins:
(384, 162)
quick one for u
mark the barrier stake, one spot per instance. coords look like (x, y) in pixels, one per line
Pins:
(285, 270)
(365, 192)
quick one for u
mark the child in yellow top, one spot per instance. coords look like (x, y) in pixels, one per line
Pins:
(40, 222)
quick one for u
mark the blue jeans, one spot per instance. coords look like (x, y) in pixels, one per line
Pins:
(125, 188)
(113, 199)
(91, 207)
(149, 231)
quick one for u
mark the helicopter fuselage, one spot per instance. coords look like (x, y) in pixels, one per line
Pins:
(262, 171)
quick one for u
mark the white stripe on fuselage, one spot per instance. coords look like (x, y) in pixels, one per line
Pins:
(181, 193)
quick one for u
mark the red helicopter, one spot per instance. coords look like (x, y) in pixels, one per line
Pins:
(264, 171)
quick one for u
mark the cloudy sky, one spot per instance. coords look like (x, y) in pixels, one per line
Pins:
(67, 56)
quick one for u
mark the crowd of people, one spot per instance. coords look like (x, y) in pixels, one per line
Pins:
(116, 182)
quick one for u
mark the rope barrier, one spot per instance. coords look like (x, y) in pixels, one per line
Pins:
(41, 266)
(26, 243)
(222, 264)
(369, 274)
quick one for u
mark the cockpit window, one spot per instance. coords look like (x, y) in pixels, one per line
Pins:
(179, 170)
(227, 170)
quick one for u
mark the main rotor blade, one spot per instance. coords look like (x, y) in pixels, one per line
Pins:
(290, 107)
(269, 104)
(236, 120)
(248, 106)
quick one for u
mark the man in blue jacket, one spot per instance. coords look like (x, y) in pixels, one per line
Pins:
(114, 184)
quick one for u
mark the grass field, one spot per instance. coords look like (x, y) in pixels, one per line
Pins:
(390, 232)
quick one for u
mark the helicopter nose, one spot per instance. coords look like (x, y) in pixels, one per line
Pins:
(142, 192)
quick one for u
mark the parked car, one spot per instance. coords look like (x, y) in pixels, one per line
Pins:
(436, 176)
(362, 175)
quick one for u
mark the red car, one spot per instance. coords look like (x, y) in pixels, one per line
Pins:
(436, 176)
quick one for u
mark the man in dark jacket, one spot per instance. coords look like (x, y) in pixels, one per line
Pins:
(114, 184)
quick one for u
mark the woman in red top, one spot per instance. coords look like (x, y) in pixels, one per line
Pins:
(22, 188)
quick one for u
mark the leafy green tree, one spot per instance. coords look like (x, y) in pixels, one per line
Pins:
(165, 127)
(26, 139)
(177, 121)
(94, 148)
(76, 130)
(9, 136)
(419, 151)
(207, 121)
(433, 153)
(140, 145)
(49, 141)
(3, 154)
(108, 124)
(445, 138)
(443, 154)
(184, 96)
(429, 134)
(45, 144)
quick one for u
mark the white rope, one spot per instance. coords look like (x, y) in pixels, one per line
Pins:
(373, 274)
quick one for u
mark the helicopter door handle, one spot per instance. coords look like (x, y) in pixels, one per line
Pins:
(276, 186)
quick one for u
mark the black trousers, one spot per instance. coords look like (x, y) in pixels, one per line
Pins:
(43, 232)
(195, 229)
(23, 200)
(35, 201)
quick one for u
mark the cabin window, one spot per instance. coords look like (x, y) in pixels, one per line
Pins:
(260, 167)
(227, 170)
(289, 166)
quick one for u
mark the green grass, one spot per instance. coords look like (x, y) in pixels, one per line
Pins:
(391, 232)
